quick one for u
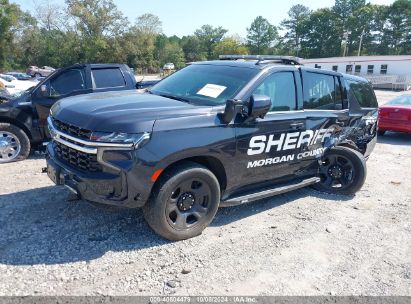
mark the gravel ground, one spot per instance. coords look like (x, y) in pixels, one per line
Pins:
(301, 243)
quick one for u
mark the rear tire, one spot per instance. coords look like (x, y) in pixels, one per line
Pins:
(343, 171)
(381, 132)
(184, 202)
(14, 143)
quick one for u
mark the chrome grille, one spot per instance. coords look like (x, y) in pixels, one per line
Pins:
(77, 159)
(72, 130)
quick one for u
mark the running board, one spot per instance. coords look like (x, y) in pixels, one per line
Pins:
(268, 192)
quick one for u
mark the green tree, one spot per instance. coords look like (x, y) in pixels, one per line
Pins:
(149, 24)
(346, 13)
(294, 26)
(397, 33)
(261, 35)
(9, 19)
(322, 35)
(193, 50)
(230, 46)
(95, 22)
(139, 50)
(209, 36)
(173, 53)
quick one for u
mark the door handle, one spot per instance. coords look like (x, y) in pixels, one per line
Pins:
(297, 126)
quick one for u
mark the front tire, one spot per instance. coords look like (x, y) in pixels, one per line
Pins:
(342, 171)
(14, 143)
(184, 202)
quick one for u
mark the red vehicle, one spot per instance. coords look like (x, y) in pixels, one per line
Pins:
(395, 115)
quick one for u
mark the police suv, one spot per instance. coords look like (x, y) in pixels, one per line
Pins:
(214, 134)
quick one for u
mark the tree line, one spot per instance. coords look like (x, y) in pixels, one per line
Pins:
(97, 31)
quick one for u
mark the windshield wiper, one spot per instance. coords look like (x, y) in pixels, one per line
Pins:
(173, 97)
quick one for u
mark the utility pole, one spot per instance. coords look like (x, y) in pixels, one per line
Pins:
(359, 48)
(345, 41)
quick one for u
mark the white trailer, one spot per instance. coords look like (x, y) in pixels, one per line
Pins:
(392, 72)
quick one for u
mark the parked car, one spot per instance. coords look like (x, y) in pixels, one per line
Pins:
(395, 115)
(9, 86)
(16, 86)
(218, 133)
(169, 66)
(19, 76)
(7, 78)
(25, 118)
(40, 72)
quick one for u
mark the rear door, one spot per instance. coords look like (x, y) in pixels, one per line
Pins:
(327, 115)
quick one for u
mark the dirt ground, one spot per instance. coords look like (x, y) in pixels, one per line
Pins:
(301, 243)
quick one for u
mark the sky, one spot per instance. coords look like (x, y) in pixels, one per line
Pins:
(183, 17)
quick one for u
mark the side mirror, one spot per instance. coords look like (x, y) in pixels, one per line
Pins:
(232, 107)
(44, 91)
(259, 106)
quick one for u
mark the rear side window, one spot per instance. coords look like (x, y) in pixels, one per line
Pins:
(322, 92)
(280, 87)
(364, 94)
(108, 78)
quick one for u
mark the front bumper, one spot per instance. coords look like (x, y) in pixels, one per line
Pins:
(110, 188)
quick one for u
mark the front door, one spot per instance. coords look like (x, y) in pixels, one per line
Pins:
(267, 148)
(68, 83)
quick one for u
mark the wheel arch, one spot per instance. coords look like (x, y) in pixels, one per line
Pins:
(350, 144)
(17, 124)
(210, 162)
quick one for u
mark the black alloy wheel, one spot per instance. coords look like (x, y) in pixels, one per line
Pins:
(342, 171)
(184, 201)
(188, 204)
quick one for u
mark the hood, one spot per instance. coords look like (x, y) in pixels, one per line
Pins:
(125, 111)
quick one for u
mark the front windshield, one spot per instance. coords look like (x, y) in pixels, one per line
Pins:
(205, 85)
(404, 101)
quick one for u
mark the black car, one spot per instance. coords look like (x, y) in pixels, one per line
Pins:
(218, 133)
(23, 120)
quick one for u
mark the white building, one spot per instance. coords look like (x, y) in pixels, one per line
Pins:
(392, 72)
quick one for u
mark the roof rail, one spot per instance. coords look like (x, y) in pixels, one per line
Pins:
(264, 59)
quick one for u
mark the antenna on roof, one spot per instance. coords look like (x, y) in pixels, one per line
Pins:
(261, 59)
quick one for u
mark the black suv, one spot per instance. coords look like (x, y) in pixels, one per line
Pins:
(218, 133)
(23, 120)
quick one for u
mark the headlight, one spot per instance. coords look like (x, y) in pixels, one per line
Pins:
(123, 138)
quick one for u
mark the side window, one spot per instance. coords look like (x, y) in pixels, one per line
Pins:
(68, 82)
(321, 91)
(364, 94)
(108, 78)
(280, 87)
(370, 69)
(384, 69)
(335, 68)
(357, 69)
(348, 68)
